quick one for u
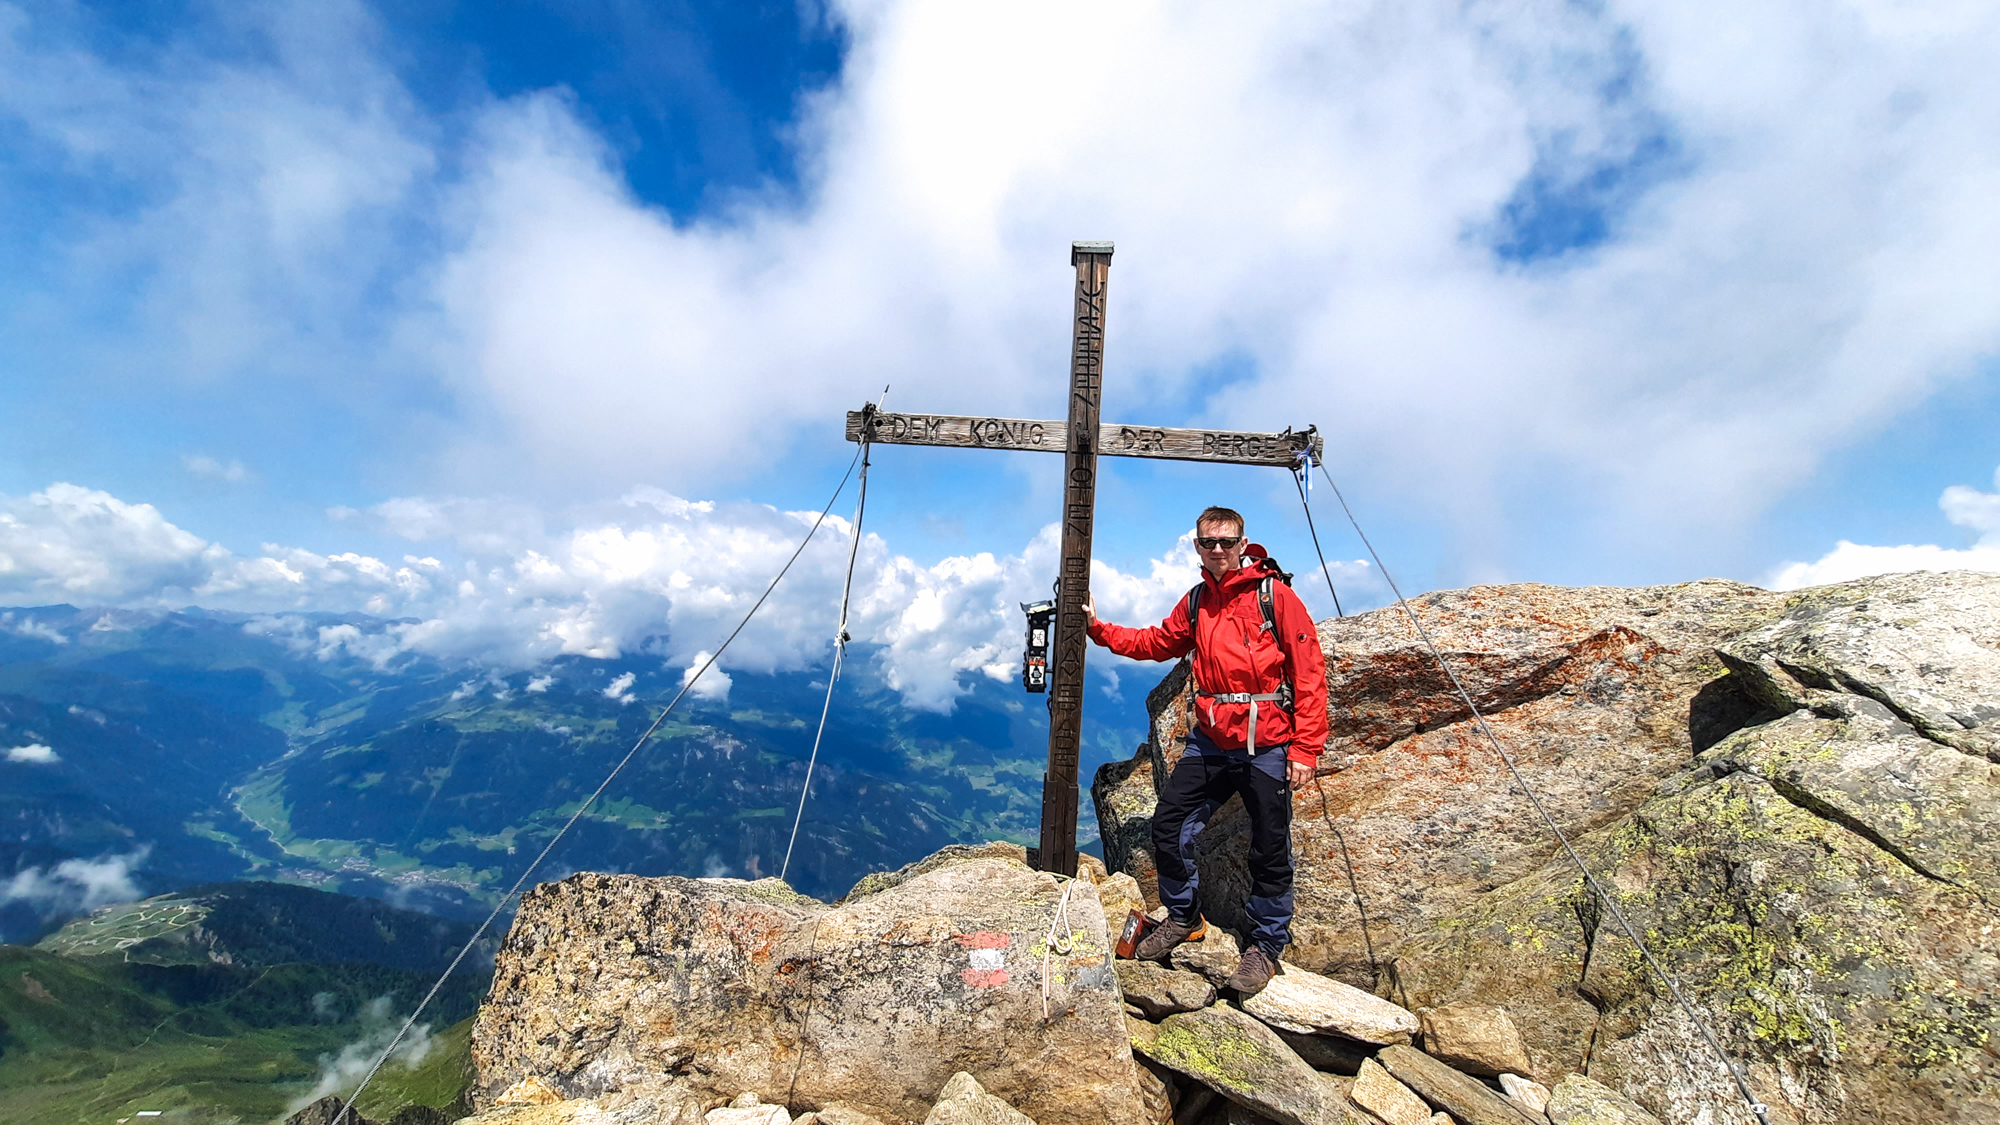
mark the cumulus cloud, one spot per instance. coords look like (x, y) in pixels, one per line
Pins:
(67, 543)
(1597, 244)
(1976, 511)
(35, 752)
(247, 176)
(1649, 271)
(22, 625)
(714, 683)
(76, 886)
(620, 689)
(654, 573)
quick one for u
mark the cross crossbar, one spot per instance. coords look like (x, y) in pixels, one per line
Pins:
(1233, 447)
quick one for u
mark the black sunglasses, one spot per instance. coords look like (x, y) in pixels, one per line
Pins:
(1211, 542)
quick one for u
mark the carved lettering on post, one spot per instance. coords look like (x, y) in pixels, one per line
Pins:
(1282, 450)
(1059, 785)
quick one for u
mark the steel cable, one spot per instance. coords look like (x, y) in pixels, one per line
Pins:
(839, 652)
(1299, 477)
(341, 1117)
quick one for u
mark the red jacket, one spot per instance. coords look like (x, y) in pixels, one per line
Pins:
(1234, 653)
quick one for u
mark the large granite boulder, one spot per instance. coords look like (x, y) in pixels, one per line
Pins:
(1794, 797)
(1593, 690)
(614, 981)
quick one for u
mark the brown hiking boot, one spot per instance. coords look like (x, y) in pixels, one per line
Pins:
(1167, 935)
(1252, 973)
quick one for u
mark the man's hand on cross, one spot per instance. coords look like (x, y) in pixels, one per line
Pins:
(1090, 607)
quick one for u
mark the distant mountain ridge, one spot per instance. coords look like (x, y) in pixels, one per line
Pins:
(255, 925)
(201, 747)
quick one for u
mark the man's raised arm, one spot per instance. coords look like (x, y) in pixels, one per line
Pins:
(1171, 639)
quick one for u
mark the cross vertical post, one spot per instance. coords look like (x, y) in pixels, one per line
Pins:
(1072, 642)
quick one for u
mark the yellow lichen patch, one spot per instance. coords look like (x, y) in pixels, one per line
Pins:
(1225, 1058)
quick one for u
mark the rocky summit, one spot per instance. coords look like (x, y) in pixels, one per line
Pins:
(1792, 798)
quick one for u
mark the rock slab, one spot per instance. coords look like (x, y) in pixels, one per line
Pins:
(1305, 1002)
(1797, 791)
(610, 981)
(1238, 1056)
(748, 1115)
(672, 1105)
(1475, 1039)
(1466, 1099)
(1580, 1100)
(1380, 1094)
(1214, 957)
(1533, 1096)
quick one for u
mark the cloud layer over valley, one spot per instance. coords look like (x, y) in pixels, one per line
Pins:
(652, 572)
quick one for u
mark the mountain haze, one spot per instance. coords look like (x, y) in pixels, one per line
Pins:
(192, 747)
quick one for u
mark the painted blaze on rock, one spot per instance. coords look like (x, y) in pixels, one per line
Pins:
(610, 981)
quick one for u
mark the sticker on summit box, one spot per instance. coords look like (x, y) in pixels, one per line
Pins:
(986, 952)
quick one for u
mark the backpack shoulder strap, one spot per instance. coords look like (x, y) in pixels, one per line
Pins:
(1194, 604)
(1264, 603)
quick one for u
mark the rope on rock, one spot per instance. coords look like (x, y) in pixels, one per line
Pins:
(840, 639)
(342, 1116)
(1736, 1072)
(1057, 940)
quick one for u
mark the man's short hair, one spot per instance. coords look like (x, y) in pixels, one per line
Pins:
(1214, 514)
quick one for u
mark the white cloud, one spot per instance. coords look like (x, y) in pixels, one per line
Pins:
(204, 467)
(1974, 510)
(1967, 507)
(33, 752)
(340, 1072)
(620, 689)
(249, 176)
(22, 625)
(714, 683)
(76, 885)
(653, 573)
(74, 544)
(1799, 239)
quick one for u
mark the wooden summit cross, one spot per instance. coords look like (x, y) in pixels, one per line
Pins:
(1081, 439)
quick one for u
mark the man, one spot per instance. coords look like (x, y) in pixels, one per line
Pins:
(1248, 738)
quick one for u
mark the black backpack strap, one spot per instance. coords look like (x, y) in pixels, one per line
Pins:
(1194, 604)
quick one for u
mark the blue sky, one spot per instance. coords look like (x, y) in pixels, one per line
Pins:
(1619, 293)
